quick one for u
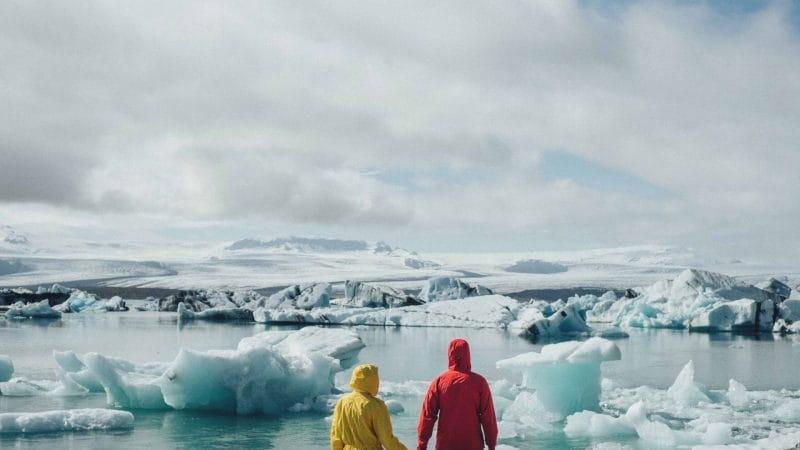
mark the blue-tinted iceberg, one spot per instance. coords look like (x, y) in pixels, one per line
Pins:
(564, 376)
(67, 420)
(268, 373)
(450, 288)
(696, 299)
(6, 368)
(38, 310)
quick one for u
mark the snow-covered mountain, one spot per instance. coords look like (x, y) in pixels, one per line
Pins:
(254, 263)
(314, 245)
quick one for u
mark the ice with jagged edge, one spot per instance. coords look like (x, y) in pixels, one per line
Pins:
(268, 373)
(93, 419)
(696, 299)
(451, 288)
(359, 294)
(80, 301)
(35, 310)
(491, 311)
(688, 415)
(563, 378)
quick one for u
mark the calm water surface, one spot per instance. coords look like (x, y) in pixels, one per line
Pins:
(649, 358)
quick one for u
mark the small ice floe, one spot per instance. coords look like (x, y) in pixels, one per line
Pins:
(65, 420)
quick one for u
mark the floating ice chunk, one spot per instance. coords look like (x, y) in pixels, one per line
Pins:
(592, 424)
(66, 420)
(737, 394)
(564, 321)
(341, 344)
(258, 377)
(115, 303)
(527, 416)
(734, 315)
(38, 310)
(125, 384)
(79, 301)
(301, 296)
(358, 294)
(6, 368)
(68, 386)
(219, 314)
(491, 311)
(685, 390)
(268, 373)
(395, 407)
(566, 376)
(76, 371)
(611, 333)
(658, 434)
(23, 387)
(450, 288)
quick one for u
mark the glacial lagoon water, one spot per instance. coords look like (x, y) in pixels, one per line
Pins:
(649, 357)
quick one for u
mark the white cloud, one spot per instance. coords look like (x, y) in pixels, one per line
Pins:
(289, 113)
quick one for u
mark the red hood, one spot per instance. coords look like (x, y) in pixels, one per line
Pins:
(458, 356)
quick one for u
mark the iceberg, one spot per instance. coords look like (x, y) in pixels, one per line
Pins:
(301, 297)
(736, 315)
(38, 310)
(491, 311)
(80, 301)
(564, 321)
(65, 420)
(215, 314)
(450, 288)
(685, 390)
(6, 368)
(696, 299)
(268, 373)
(565, 376)
(359, 295)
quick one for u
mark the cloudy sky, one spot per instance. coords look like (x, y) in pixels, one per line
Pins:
(518, 125)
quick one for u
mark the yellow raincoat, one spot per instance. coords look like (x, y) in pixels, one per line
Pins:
(361, 420)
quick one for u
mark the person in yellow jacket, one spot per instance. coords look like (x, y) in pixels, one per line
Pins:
(361, 420)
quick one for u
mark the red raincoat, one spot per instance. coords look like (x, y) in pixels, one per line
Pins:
(463, 402)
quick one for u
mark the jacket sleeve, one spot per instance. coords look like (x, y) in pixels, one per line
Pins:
(428, 415)
(487, 416)
(336, 428)
(382, 425)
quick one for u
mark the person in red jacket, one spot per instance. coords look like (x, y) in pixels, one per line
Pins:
(463, 403)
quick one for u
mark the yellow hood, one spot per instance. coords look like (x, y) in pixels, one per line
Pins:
(365, 379)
